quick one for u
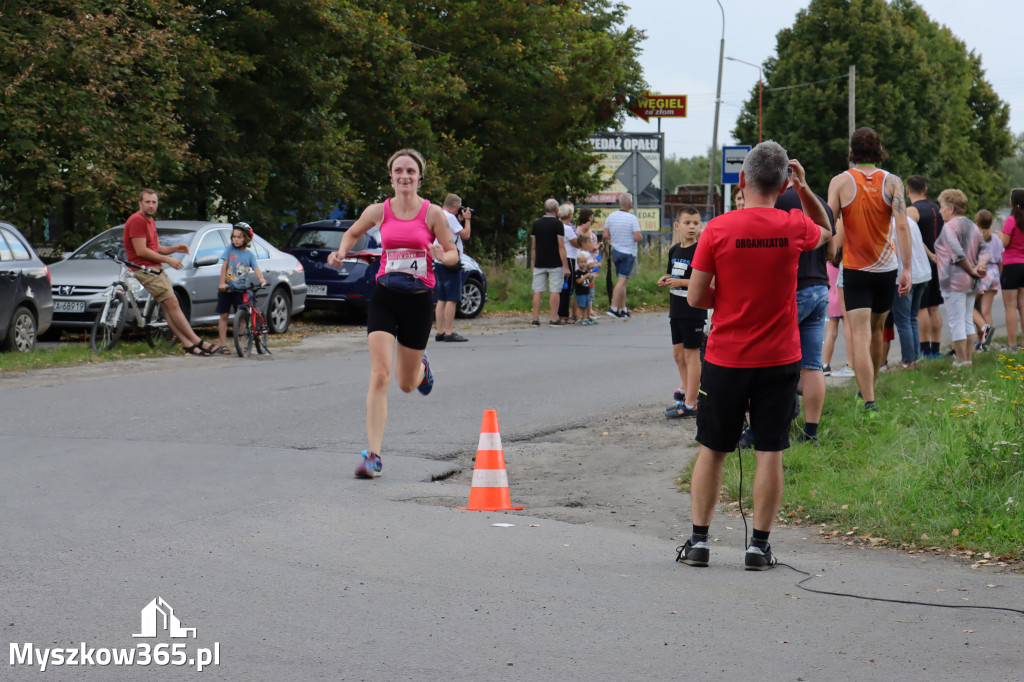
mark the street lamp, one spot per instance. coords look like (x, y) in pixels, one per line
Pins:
(718, 104)
(759, 86)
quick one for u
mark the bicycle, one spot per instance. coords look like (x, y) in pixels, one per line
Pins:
(250, 326)
(121, 297)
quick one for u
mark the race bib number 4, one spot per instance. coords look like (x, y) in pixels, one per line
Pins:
(409, 261)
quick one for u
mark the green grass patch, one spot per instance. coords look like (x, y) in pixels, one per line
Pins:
(74, 354)
(941, 466)
(509, 285)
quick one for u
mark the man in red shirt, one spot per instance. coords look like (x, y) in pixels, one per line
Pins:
(143, 248)
(753, 353)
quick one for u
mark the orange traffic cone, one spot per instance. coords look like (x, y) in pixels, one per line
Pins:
(490, 482)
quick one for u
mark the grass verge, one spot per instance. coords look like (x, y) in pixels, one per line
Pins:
(940, 468)
(509, 285)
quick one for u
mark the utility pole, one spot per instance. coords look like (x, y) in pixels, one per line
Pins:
(718, 105)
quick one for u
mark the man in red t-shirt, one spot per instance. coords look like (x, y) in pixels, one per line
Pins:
(753, 351)
(143, 248)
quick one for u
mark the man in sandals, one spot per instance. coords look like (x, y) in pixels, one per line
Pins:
(142, 248)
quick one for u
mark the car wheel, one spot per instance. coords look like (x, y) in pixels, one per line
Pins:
(183, 303)
(21, 335)
(279, 311)
(472, 299)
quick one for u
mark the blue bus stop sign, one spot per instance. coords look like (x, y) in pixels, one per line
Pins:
(732, 163)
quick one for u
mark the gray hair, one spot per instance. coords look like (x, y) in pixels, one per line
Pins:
(565, 211)
(625, 200)
(551, 205)
(766, 167)
(452, 201)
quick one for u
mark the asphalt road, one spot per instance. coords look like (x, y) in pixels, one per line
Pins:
(225, 488)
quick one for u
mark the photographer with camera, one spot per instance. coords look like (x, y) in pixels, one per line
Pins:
(449, 278)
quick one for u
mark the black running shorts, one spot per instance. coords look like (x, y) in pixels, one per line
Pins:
(873, 290)
(1013, 277)
(406, 316)
(690, 333)
(725, 394)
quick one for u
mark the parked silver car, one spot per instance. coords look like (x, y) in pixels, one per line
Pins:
(25, 305)
(80, 279)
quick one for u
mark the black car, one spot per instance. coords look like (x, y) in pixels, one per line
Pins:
(351, 284)
(26, 305)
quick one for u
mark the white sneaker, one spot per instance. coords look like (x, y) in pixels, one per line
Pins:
(845, 372)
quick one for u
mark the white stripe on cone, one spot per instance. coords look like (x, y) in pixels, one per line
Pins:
(489, 441)
(490, 478)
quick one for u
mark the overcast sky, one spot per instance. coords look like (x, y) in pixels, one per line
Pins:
(680, 56)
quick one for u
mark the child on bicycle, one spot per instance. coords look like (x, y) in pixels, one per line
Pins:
(234, 277)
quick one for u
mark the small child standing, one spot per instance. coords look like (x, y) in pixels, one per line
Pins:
(583, 276)
(686, 322)
(989, 283)
(234, 277)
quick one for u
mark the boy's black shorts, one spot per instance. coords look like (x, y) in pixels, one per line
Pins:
(690, 333)
(229, 300)
(726, 392)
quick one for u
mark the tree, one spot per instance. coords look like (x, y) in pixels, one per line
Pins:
(689, 171)
(89, 106)
(539, 78)
(916, 85)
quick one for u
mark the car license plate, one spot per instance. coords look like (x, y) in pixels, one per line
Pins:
(316, 290)
(69, 306)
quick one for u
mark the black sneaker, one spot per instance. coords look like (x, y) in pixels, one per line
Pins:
(614, 313)
(757, 559)
(454, 338)
(827, 370)
(624, 312)
(746, 439)
(804, 437)
(693, 554)
(438, 337)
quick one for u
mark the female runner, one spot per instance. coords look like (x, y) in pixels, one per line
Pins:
(401, 307)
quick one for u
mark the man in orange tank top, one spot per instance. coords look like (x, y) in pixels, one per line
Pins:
(871, 217)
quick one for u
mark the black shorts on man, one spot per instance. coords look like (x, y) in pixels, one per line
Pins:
(863, 289)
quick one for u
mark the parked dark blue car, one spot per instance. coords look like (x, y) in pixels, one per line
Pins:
(333, 288)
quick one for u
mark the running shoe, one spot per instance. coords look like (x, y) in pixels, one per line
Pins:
(846, 371)
(986, 336)
(438, 337)
(370, 466)
(428, 378)
(454, 338)
(804, 437)
(693, 554)
(614, 313)
(680, 410)
(827, 370)
(679, 395)
(624, 313)
(758, 559)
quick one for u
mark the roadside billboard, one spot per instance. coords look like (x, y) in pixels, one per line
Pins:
(630, 162)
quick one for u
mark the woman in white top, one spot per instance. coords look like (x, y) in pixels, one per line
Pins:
(905, 308)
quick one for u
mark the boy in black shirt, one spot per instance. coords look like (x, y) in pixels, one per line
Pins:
(686, 323)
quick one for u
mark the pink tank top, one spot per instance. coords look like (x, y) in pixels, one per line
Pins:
(405, 245)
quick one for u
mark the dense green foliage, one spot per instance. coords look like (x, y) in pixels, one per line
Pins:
(277, 111)
(916, 84)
